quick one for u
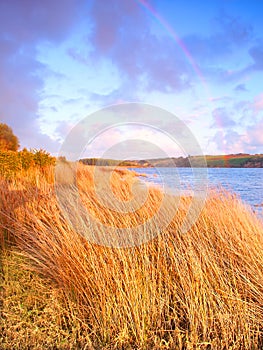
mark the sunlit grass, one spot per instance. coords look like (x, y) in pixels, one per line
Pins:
(198, 290)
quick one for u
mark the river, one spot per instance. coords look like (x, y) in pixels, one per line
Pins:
(247, 183)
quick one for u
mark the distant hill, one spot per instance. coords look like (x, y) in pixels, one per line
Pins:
(240, 160)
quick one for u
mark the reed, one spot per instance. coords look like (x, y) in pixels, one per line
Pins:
(198, 290)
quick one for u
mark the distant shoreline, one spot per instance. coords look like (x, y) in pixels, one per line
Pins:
(240, 160)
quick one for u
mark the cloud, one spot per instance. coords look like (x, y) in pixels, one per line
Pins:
(242, 134)
(23, 26)
(220, 55)
(234, 30)
(33, 20)
(255, 136)
(222, 119)
(114, 97)
(256, 52)
(121, 32)
(258, 103)
(132, 142)
(229, 141)
(229, 34)
(240, 88)
(251, 140)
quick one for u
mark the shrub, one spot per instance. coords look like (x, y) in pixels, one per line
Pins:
(12, 162)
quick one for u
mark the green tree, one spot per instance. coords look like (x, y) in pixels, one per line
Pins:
(8, 141)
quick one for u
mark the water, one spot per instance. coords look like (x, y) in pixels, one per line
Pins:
(247, 183)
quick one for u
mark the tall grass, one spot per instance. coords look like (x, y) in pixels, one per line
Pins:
(198, 290)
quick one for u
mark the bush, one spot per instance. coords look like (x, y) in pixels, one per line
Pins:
(9, 163)
(12, 162)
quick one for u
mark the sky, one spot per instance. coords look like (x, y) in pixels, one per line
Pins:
(62, 62)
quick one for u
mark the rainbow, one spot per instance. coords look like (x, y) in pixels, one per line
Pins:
(172, 33)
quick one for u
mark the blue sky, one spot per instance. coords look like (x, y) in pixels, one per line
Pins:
(61, 61)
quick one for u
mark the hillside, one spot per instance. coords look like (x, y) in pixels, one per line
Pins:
(240, 160)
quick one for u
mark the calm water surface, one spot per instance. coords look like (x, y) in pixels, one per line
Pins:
(245, 182)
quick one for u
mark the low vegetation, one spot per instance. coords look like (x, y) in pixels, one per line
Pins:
(59, 290)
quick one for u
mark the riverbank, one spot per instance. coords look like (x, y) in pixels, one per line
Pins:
(240, 160)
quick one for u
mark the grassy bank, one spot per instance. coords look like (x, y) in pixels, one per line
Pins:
(198, 290)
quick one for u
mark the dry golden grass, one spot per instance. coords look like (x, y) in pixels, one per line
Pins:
(198, 290)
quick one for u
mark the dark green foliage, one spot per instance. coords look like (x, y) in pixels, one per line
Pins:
(238, 162)
(8, 141)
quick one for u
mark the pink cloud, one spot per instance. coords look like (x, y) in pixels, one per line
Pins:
(255, 135)
(222, 118)
(233, 142)
(258, 103)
